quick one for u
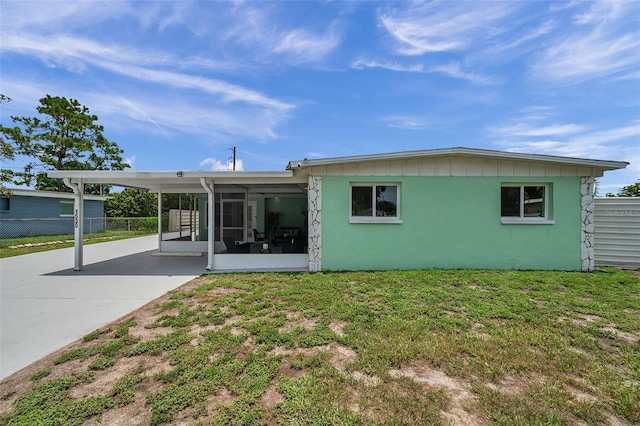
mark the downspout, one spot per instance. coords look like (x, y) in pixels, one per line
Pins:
(78, 221)
(210, 227)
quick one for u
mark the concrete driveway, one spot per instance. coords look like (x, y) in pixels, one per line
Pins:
(45, 305)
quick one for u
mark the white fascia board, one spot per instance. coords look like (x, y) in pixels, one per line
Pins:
(166, 174)
(471, 152)
(176, 181)
(54, 194)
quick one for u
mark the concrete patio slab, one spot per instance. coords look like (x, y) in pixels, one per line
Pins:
(45, 305)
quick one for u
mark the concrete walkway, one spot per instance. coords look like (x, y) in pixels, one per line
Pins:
(45, 305)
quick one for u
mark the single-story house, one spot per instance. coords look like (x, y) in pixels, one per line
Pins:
(27, 212)
(440, 208)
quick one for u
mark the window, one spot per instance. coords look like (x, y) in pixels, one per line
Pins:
(66, 208)
(524, 203)
(375, 203)
(5, 204)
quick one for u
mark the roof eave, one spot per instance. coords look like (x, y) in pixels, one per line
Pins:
(54, 194)
(166, 174)
(601, 164)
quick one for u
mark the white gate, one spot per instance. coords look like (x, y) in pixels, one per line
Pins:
(617, 232)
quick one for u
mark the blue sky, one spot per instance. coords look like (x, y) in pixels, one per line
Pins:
(177, 84)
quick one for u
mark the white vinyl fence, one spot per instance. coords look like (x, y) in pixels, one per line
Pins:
(617, 232)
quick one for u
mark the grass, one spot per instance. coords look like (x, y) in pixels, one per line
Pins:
(35, 244)
(383, 348)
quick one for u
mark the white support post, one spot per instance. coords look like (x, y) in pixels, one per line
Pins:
(159, 220)
(78, 221)
(210, 225)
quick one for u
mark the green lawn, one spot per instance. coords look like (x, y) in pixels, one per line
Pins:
(388, 348)
(26, 245)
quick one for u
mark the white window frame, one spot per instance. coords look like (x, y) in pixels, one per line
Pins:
(373, 218)
(545, 220)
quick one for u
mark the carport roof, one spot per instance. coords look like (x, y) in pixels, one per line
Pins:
(179, 181)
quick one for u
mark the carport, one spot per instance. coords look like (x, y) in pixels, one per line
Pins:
(217, 241)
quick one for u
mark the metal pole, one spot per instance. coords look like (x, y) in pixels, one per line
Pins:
(210, 224)
(179, 215)
(78, 220)
(159, 220)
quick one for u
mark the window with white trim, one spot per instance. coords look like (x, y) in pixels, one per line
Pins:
(379, 202)
(524, 203)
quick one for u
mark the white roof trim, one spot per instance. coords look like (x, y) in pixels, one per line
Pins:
(54, 194)
(178, 181)
(167, 174)
(602, 164)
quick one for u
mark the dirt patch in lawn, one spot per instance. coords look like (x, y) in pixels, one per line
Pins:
(295, 320)
(460, 392)
(628, 338)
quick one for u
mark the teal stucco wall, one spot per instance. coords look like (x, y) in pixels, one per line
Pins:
(451, 222)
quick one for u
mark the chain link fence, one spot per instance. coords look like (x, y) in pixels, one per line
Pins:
(35, 227)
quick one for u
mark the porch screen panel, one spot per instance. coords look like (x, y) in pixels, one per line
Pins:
(233, 219)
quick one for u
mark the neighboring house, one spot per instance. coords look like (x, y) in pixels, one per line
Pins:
(441, 208)
(28, 212)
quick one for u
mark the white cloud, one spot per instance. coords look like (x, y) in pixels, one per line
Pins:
(600, 11)
(215, 164)
(77, 53)
(443, 26)
(212, 122)
(594, 55)
(405, 122)
(316, 155)
(154, 112)
(519, 44)
(228, 92)
(363, 63)
(302, 46)
(571, 140)
(582, 41)
(523, 129)
(602, 42)
(57, 15)
(267, 37)
(454, 70)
